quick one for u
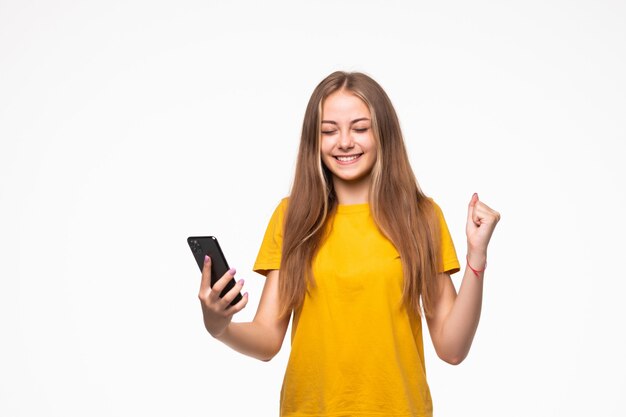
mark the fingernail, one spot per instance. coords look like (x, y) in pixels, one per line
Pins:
(240, 282)
(206, 258)
(232, 271)
(245, 294)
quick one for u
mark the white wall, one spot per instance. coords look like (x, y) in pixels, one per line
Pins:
(126, 126)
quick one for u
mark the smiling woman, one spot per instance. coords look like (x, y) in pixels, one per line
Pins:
(348, 147)
(358, 254)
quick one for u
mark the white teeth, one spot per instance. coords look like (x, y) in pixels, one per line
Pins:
(347, 158)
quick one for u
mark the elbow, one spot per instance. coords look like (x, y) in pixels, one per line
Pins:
(268, 356)
(452, 359)
(452, 352)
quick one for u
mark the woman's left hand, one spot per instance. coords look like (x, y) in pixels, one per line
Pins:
(481, 221)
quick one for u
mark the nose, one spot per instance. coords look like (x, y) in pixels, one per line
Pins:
(345, 140)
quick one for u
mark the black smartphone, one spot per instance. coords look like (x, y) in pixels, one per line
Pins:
(208, 245)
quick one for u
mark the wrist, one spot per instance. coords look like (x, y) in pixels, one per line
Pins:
(476, 262)
(477, 258)
(219, 335)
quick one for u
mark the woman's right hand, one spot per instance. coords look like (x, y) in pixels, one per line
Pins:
(218, 312)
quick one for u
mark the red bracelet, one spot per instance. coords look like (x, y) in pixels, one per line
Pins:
(475, 271)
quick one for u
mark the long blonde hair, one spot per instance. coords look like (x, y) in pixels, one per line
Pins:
(401, 211)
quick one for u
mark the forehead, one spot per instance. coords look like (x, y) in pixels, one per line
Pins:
(344, 105)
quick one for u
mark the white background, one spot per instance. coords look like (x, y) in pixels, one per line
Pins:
(126, 126)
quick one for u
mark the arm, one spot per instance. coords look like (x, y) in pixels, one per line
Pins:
(454, 321)
(263, 336)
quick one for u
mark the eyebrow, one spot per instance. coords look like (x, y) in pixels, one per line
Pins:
(352, 122)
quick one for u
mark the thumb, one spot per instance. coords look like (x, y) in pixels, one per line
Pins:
(472, 204)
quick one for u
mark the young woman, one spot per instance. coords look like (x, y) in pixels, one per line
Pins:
(359, 255)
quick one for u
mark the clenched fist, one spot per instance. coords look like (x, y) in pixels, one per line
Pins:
(481, 221)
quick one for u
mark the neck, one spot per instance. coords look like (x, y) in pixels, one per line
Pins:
(352, 192)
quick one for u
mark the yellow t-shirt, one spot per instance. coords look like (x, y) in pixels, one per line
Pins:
(355, 350)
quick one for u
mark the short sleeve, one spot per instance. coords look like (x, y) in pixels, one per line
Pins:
(449, 260)
(269, 254)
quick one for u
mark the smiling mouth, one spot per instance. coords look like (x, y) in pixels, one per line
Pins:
(347, 158)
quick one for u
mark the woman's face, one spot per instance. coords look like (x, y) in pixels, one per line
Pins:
(348, 147)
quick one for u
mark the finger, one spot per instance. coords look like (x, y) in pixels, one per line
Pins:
(205, 284)
(491, 213)
(232, 293)
(480, 211)
(486, 214)
(240, 305)
(221, 283)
